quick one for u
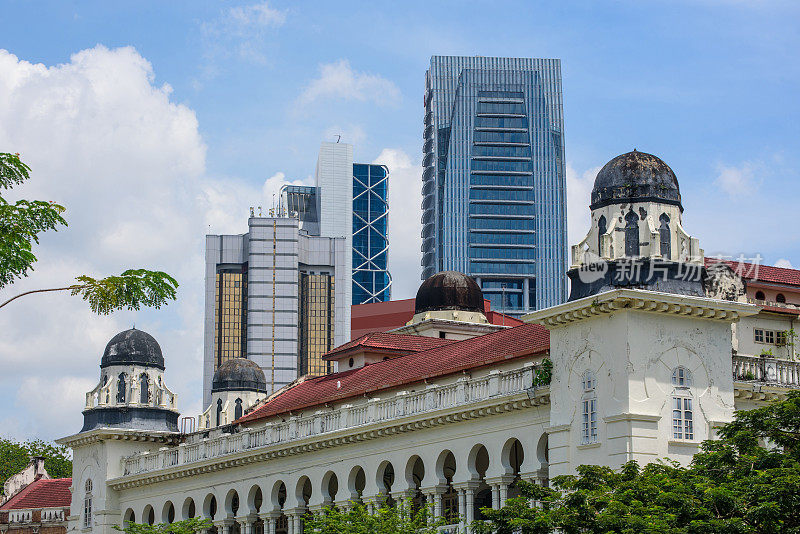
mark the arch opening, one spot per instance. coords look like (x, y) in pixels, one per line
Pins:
(168, 513)
(188, 510)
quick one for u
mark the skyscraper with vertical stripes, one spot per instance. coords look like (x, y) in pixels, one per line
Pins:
(494, 196)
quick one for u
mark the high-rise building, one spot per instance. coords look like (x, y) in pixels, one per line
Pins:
(371, 279)
(281, 293)
(494, 198)
(359, 210)
(272, 297)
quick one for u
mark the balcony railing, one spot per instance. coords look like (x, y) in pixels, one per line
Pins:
(768, 370)
(403, 404)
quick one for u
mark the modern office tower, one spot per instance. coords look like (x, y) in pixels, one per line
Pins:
(494, 198)
(359, 211)
(334, 198)
(371, 279)
(272, 296)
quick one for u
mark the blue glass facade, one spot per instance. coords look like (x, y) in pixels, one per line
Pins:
(494, 198)
(371, 279)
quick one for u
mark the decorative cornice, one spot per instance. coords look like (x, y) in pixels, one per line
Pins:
(489, 407)
(759, 392)
(102, 434)
(641, 300)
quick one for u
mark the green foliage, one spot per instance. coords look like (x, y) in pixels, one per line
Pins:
(734, 485)
(543, 373)
(187, 526)
(132, 289)
(14, 456)
(385, 520)
(12, 170)
(22, 222)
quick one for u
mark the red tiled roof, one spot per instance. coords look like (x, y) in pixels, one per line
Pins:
(42, 493)
(389, 341)
(452, 358)
(761, 273)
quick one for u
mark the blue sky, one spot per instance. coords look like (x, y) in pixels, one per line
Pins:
(220, 101)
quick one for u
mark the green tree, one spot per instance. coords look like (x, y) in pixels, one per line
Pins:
(736, 484)
(385, 520)
(187, 526)
(14, 456)
(23, 221)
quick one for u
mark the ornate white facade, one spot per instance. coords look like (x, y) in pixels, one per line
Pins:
(637, 374)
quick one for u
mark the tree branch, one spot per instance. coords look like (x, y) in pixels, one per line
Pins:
(68, 288)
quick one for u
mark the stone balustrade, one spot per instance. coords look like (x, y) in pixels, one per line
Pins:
(434, 397)
(774, 371)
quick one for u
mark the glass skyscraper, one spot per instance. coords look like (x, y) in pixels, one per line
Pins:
(371, 279)
(494, 197)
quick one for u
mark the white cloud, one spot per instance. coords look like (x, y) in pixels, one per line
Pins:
(736, 181)
(405, 221)
(256, 15)
(783, 262)
(338, 80)
(129, 165)
(242, 32)
(579, 189)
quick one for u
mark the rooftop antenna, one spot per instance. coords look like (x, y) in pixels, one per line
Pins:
(338, 138)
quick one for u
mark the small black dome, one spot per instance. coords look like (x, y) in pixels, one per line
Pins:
(635, 177)
(449, 290)
(239, 374)
(133, 347)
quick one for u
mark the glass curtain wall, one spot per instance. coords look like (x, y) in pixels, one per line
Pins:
(493, 180)
(371, 279)
(230, 308)
(316, 323)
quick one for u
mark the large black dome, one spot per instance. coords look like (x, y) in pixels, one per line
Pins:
(635, 177)
(133, 347)
(239, 374)
(449, 290)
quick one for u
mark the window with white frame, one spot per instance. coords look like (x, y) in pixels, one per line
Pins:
(589, 409)
(682, 410)
(87, 505)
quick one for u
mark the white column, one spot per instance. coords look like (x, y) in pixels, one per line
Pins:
(462, 509)
(269, 519)
(470, 496)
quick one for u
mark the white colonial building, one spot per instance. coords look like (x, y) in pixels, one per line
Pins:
(449, 410)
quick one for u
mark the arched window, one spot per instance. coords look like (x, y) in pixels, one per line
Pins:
(219, 410)
(631, 235)
(589, 408)
(780, 298)
(237, 412)
(602, 227)
(760, 295)
(144, 389)
(87, 504)
(682, 410)
(681, 377)
(666, 237)
(121, 388)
